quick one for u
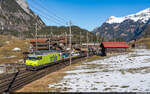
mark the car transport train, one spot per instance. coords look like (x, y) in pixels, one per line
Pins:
(41, 59)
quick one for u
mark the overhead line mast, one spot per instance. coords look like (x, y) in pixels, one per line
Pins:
(1, 1)
(36, 35)
(80, 39)
(70, 23)
(87, 45)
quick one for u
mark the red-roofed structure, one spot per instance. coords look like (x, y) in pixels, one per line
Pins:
(39, 40)
(113, 47)
(56, 42)
(115, 44)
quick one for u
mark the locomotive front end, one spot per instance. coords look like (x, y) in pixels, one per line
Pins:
(32, 62)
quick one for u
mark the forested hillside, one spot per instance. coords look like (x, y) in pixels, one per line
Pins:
(62, 30)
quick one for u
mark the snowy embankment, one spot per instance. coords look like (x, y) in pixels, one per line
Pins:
(123, 73)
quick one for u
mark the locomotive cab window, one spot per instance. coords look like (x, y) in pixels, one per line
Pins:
(33, 58)
(39, 58)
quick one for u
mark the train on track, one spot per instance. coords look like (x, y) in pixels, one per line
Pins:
(41, 59)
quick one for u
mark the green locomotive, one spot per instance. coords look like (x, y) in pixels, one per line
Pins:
(41, 59)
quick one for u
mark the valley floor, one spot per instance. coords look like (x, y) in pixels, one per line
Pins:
(122, 73)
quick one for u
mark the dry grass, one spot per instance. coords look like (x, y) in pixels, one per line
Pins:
(145, 41)
(124, 86)
(134, 70)
(93, 58)
(8, 45)
(106, 89)
(114, 86)
(135, 55)
(106, 70)
(122, 71)
(94, 89)
(41, 85)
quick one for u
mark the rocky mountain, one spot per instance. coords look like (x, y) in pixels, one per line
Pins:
(15, 15)
(127, 28)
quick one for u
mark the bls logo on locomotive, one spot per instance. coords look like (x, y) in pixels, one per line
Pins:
(53, 59)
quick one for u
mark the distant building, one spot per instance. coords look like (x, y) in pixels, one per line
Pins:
(42, 44)
(91, 46)
(55, 43)
(113, 47)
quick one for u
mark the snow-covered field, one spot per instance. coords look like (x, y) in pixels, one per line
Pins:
(1, 72)
(123, 73)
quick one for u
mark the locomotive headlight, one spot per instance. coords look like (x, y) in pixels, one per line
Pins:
(34, 64)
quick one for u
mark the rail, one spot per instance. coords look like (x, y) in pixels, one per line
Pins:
(12, 82)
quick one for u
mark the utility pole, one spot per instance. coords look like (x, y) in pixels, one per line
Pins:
(94, 40)
(66, 40)
(1, 1)
(49, 42)
(70, 23)
(20, 35)
(51, 35)
(96, 37)
(113, 37)
(36, 35)
(80, 39)
(97, 43)
(51, 29)
(87, 45)
(9, 36)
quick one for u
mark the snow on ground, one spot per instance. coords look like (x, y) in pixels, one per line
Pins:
(122, 73)
(1, 71)
(16, 49)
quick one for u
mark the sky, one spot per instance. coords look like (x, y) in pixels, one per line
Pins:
(88, 14)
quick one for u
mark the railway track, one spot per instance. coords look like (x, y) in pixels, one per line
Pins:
(12, 82)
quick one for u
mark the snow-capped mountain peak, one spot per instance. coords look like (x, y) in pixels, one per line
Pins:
(143, 16)
(144, 11)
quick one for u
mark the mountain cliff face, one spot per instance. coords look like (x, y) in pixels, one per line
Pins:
(15, 15)
(126, 27)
